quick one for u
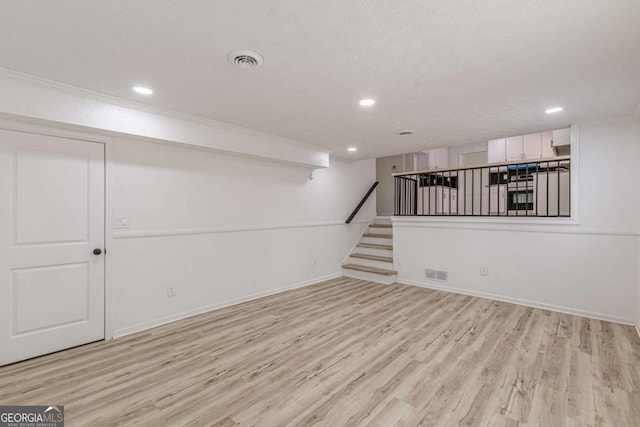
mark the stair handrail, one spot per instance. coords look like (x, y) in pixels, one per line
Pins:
(364, 199)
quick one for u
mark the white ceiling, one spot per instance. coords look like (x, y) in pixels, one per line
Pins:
(453, 71)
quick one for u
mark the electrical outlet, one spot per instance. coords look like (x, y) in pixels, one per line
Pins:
(484, 271)
(171, 291)
(121, 222)
(315, 263)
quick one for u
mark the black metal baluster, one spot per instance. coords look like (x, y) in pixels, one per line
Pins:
(449, 193)
(465, 192)
(422, 191)
(526, 171)
(547, 213)
(415, 196)
(558, 175)
(489, 192)
(406, 196)
(481, 191)
(428, 182)
(436, 195)
(473, 191)
(517, 189)
(401, 196)
(569, 178)
(395, 196)
(537, 179)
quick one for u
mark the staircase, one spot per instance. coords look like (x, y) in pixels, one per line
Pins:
(372, 258)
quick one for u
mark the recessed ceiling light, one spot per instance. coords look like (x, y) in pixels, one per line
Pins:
(367, 102)
(553, 110)
(143, 90)
(352, 149)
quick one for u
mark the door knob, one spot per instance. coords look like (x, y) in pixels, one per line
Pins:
(97, 251)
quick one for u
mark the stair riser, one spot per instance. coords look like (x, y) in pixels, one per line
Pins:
(371, 251)
(371, 277)
(370, 263)
(377, 240)
(380, 220)
(377, 230)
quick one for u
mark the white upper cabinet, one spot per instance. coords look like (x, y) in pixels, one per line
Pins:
(421, 161)
(439, 158)
(515, 149)
(531, 146)
(546, 144)
(561, 137)
(496, 151)
(525, 147)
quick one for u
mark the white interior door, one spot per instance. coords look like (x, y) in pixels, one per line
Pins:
(51, 220)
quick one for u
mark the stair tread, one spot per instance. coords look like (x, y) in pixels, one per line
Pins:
(374, 246)
(373, 257)
(370, 269)
(381, 225)
(378, 236)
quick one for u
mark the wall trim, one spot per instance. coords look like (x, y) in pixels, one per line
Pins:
(514, 227)
(231, 229)
(217, 306)
(523, 302)
(489, 220)
(27, 127)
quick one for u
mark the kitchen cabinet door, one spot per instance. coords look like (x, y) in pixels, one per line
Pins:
(553, 194)
(546, 145)
(498, 200)
(561, 137)
(449, 201)
(496, 150)
(439, 158)
(514, 148)
(531, 146)
(440, 200)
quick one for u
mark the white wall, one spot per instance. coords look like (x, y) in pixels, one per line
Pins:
(222, 229)
(384, 191)
(589, 268)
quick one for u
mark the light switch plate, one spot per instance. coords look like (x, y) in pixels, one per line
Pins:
(121, 222)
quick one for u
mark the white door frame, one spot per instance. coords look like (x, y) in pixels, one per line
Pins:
(108, 164)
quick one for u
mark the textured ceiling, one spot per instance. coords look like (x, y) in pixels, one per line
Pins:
(453, 71)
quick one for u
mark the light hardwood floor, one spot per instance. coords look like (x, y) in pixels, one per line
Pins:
(348, 352)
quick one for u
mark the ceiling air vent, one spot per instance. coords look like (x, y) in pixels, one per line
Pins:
(245, 59)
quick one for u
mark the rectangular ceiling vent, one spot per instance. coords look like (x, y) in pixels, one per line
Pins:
(439, 275)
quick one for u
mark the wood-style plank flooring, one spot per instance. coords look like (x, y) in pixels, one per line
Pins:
(348, 352)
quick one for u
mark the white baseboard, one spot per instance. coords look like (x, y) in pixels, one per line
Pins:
(527, 303)
(211, 307)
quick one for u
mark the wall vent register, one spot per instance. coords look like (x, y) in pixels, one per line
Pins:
(436, 275)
